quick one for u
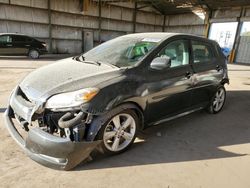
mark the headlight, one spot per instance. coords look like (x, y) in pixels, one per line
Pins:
(71, 99)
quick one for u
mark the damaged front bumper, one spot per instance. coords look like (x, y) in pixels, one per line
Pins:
(49, 150)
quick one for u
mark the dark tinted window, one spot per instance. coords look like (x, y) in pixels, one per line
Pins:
(28, 39)
(202, 52)
(18, 38)
(177, 51)
(5, 39)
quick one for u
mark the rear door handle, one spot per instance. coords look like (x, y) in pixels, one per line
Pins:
(218, 68)
(27, 45)
(188, 75)
(8, 44)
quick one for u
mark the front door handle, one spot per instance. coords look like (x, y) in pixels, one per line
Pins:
(27, 45)
(8, 44)
(188, 75)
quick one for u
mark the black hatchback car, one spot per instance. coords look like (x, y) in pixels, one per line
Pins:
(18, 44)
(103, 97)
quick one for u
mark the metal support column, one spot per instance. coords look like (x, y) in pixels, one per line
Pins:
(134, 18)
(99, 20)
(237, 36)
(50, 27)
(207, 22)
(164, 23)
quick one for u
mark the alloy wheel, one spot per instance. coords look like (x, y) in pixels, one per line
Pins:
(34, 54)
(119, 132)
(219, 100)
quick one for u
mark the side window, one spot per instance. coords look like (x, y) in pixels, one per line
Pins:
(202, 52)
(5, 39)
(177, 51)
(28, 39)
(18, 38)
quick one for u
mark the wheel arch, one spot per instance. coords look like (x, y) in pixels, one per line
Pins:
(100, 120)
(138, 110)
(33, 48)
(224, 81)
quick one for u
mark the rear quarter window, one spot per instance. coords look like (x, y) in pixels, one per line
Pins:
(202, 52)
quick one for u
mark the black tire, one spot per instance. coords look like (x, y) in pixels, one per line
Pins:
(100, 135)
(211, 107)
(34, 54)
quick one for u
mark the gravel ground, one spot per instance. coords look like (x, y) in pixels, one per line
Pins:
(199, 150)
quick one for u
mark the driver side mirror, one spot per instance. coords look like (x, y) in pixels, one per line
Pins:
(161, 63)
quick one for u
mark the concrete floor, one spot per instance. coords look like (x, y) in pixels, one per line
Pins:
(199, 150)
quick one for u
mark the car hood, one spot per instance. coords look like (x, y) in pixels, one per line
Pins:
(65, 76)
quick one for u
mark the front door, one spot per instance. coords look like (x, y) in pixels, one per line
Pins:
(5, 45)
(169, 91)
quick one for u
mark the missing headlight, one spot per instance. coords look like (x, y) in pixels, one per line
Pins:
(65, 124)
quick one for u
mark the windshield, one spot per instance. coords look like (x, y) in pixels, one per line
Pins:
(123, 51)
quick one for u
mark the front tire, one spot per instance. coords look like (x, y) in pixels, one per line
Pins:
(119, 132)
(217, 101)
(34, 54)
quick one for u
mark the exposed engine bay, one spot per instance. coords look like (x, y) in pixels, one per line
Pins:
(71, 125)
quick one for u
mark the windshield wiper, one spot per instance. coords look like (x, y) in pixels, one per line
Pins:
(93, 62)
(82, 59)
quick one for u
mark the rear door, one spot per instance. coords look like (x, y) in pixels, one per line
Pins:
(207, 71)
(5, 44)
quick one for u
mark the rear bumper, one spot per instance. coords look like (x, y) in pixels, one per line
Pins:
(49, 150)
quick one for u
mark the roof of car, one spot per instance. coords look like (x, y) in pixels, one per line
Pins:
(12, 34)
(162, 35)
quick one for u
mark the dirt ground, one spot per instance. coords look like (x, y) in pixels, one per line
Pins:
(199, 150)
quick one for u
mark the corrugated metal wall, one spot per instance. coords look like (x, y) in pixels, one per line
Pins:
(31, 17)
(243, 52)
(243, 55)
(185, 23)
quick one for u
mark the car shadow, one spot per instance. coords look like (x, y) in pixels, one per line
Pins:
(198, 136)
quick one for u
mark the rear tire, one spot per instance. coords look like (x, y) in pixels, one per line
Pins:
(119, 132)
(34, 54)
(218, 101)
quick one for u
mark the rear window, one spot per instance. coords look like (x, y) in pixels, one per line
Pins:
(5, 39)
(202, 52)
